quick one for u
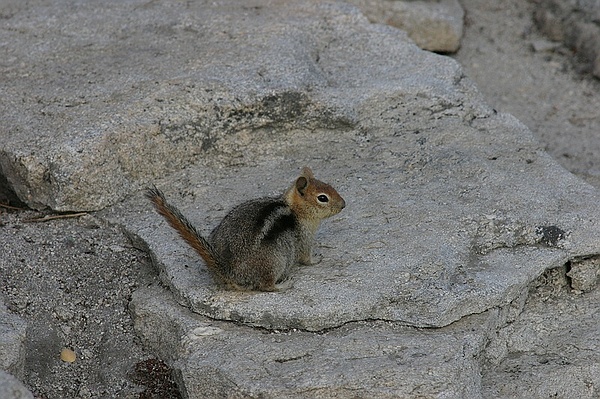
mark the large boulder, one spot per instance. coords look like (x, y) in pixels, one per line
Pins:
(373, 359)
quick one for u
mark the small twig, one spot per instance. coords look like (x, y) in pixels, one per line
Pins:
(52, 217)
(11, 207)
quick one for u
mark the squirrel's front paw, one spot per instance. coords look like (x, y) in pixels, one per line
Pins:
(313, 260)
(285, 285)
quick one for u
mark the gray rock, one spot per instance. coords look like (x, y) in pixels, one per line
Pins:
(70, 280)
(584, 273)
(102, 98)
(11, 388)
(12, 355)
(12, 339)
(448, 215)
(375, 359)
(434, 25)
(551, 350)
(425, 243)
(453, 209)
(113, 111)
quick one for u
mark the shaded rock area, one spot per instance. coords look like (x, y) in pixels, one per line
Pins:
(577, 24)
(72, 281)
(461, 237)
(552, 349)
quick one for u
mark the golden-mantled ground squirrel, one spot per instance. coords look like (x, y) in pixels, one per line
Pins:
(259, 241)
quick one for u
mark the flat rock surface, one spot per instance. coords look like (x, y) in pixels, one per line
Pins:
(421, 245)
(452, 208)
(216, 359)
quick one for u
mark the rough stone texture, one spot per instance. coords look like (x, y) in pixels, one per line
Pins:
(71, 281)
(412, 261)
(551, 350)
(453, 209)
(11, 388)
(216, 359)
(12, 340)
(97, 106)
(434, 25)
(561, 107)
(577, 24)
(584, 273)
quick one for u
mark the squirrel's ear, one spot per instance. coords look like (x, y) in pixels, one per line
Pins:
(306, 172)
(301, 184)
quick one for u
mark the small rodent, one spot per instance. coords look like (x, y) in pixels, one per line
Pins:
(259, 241)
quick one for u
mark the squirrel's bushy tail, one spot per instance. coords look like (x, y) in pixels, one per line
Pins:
(187, 231)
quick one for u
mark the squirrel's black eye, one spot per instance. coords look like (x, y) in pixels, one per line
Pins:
(323, 198)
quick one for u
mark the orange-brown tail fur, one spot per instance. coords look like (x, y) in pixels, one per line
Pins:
(186, 231)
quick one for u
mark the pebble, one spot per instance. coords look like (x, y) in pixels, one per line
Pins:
(67, 355)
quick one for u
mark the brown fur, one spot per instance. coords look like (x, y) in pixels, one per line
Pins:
(257, 242)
